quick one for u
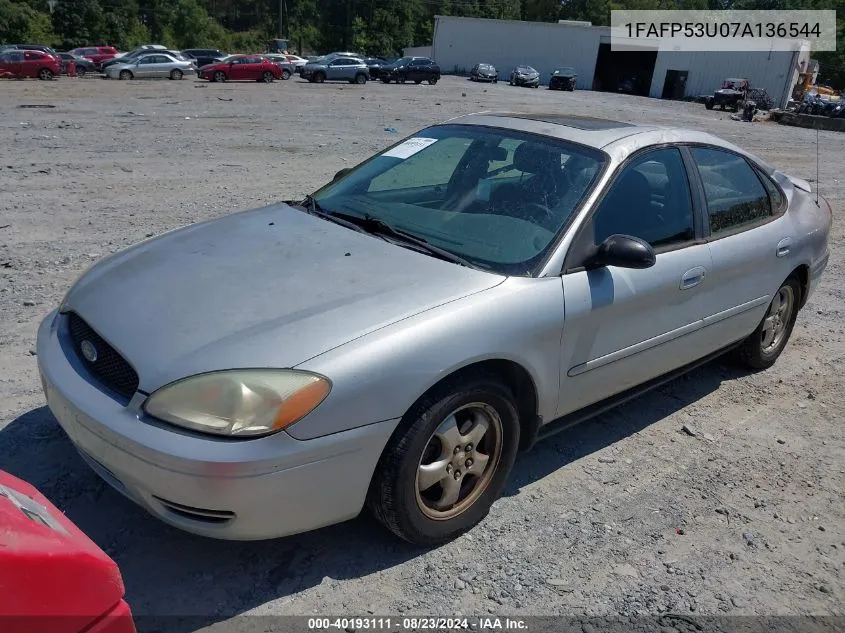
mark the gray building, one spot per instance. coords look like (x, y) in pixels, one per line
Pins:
(460, 43)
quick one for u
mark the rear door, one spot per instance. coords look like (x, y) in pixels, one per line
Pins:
(33, 61)
(750, 238)
(253, 67)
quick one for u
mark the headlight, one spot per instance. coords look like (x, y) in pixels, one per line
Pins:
(243, 402)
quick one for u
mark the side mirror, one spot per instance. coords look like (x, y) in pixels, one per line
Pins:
(623, 251)
(341, 173)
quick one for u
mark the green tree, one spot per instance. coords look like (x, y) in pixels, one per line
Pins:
(19, 22)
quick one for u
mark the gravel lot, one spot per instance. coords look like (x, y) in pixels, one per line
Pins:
(626, 514)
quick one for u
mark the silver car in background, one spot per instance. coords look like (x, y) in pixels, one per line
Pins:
(152, 66)
(287, 67)
(351, 69)
(394, 339)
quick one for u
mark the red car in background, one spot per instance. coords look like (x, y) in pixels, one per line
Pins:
(241, 68)
(17, 64)
(97, 54)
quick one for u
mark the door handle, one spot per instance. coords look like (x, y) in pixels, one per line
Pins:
(783, 247)
(692, 277)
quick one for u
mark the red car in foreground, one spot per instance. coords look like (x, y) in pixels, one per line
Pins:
(17, 64)
(53, 578)
(242, 68)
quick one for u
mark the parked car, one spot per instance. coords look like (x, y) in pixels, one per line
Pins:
(141, 50)
(484, 72)
(349, 69)
(203, 56)
(155, 65)
(242, 68)
(374, 65)
(525, 76)
(416, 69)
(287, 67)
(297, 61)
(20, 63)
(563, 79)
(730, 95)
(31, 47)
(407, 376)
(83, 64)
(97, 54)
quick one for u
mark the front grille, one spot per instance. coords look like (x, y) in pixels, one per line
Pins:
(109, 366)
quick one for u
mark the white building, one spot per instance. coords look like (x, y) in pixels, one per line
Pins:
(460, 43)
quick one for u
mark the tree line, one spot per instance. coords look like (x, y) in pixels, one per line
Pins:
(376, 27)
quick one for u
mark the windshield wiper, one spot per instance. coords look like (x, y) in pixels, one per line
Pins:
(313, 207)
(377, 226)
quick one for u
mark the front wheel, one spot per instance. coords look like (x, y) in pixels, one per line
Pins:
(319, 77)
(80, 72)
(285, 75)
(125, 75)
(432, 81)
(45, 74)
(176, 74)
(762, 348)
(219, 76)
(447, 461)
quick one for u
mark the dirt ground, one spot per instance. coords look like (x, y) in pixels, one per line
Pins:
(627, 514)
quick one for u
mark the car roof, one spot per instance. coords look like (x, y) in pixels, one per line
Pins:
(617, 138)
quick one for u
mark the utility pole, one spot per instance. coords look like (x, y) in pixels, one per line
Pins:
(281, 19)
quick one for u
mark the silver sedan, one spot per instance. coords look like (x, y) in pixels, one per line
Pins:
(152, 66)
(395, 339)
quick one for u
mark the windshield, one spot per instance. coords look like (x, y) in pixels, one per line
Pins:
(497, 198)
(525, 69)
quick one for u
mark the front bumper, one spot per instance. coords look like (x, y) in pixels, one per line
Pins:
(526, 81)
(229, 489)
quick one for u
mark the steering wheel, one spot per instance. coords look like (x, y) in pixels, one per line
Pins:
(536, 213)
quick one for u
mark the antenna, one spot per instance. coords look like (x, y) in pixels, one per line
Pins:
(817, 166)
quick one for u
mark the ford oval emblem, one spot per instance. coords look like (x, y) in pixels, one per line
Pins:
(89, 352)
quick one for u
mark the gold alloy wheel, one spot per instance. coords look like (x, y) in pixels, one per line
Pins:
(459, 461)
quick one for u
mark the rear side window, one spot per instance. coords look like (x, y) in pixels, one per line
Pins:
(735, 196)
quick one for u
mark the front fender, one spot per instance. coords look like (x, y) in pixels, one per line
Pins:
(380, 375)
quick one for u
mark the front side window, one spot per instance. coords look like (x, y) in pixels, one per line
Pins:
(497, 198)
(734, 194)
(649, 199)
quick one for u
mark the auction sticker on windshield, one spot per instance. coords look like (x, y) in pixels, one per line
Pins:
(410, 147)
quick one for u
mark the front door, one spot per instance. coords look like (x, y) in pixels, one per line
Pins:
(623, 327)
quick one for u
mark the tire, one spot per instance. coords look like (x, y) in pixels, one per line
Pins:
(80, 72)
(423, 439)
(708, 103)
(266, 77)
(418, 81)
(495, 81)
(762, 348)
(319, 77)
(45, 74)
(219, 76)
(360, 79)
(126, 75)
(176, 74)
(285, 74)
(385, 80)
(432, 81)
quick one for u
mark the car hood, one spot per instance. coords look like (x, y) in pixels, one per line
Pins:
(272, 287)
